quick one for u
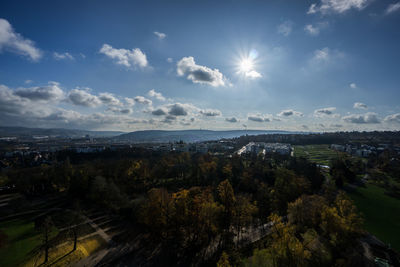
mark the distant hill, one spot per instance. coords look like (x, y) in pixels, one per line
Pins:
(188, 135)
(53, 132)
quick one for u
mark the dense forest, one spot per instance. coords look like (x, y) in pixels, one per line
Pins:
(200, 209)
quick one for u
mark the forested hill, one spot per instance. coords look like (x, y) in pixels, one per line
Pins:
(189, 135)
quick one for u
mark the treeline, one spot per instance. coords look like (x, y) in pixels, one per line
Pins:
(371, 138)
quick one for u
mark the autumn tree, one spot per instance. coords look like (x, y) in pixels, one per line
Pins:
(223, 260)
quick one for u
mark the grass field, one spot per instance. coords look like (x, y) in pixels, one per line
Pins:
(381, 213)
(320, 154)
(64, 256)
(21, 239)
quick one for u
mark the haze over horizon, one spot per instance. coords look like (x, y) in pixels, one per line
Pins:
(320, 65)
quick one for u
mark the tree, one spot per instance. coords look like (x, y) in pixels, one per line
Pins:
(285, 249)
(244, 211)
(45, 225)
(75, 219)
(223, 260)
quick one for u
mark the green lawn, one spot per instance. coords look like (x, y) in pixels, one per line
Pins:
(21, 239)
(381, 213)
(320, 154)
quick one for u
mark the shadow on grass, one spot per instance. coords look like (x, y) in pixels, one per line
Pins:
(57, 260)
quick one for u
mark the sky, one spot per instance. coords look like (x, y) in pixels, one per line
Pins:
(301, 65)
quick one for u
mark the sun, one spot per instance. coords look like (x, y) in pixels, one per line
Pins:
(246, 65)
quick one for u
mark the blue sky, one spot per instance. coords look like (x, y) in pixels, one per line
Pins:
(319, 65)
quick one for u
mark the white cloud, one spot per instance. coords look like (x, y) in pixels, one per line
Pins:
(322, 54)
(260, 117)
(160, 111)
(178, 109)
(117, 110)
(394, 118)
(359, 105)
(253, 74)
(14, 42)
(170, 60)
(125, 57)
(312, 30)
(367, 118)
(60, 56)
(337, 6)
(129, 101)
(290, 112)
(324, 112)
(393, 8)
(231, 119)
(109, 99)
(142, 100)
(200, 74)
(285, 28)
(255, 118)
(83, 98)
(181, 109)
(353, 85)
(156, 95)
(51, 92)
(160, 35)
(210, 112)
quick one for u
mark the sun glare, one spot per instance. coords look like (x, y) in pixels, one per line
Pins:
(246, 65)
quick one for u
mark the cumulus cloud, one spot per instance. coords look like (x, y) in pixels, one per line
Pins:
(324, 112)
(393, 8)
(61, 56)
(16, 43)
(210, 112)
(359, 105)
(231, 119)
(285, 28)
(259, 117)
(253, 74)
(109, 99)
(129, 101)
(255, 118)
(394, 118)
(159, 112)
(51, 92)
(290, 112)
(156, 95)
(169, 119)
(178, 109)
(83, 98)
(125, 57)
(200, 74)
(160, 35)
(11, 103)
(337, 6)
(117, 110)
(143, 100)
(367, 118)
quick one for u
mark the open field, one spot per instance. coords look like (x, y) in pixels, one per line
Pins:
(381, 213)
(320, 154)
(21, 239)
(64, 256)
